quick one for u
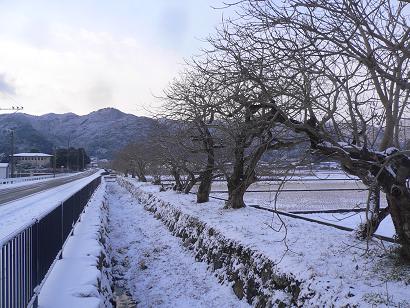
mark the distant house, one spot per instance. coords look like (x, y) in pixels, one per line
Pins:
(4, 170)
(33, 160)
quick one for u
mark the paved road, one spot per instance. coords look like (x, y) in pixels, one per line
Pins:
(14, 193)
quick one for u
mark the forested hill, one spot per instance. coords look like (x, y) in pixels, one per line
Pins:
(101, 132)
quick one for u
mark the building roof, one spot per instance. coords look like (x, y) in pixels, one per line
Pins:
(2, 165)
(32, 155)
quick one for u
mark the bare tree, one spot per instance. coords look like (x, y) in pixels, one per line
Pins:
(345, 65)
(135, 158)
(242, 120)
(190, 100)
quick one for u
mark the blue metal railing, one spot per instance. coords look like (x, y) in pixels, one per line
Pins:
(27, 255)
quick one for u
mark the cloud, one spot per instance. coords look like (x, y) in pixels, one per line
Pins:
(5, 86)
(77, 70)
(78, 56)
(100, 93)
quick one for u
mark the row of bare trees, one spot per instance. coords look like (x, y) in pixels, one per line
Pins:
(332, 73)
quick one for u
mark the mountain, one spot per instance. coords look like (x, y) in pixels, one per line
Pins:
(101, 132)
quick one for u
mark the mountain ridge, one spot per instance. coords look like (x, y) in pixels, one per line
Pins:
(101, 132)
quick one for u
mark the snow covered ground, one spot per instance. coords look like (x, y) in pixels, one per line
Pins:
(333, 266)
(314, 200)
(157, 269)
(304, 200)
(152, 265)
(17, 214)
(352, 220)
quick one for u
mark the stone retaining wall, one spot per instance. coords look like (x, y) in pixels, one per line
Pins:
(104, 259)
(253, 276)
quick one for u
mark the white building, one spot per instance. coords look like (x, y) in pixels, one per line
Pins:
(4, 170)
(36, 160)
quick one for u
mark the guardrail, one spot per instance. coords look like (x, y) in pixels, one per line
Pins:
(27, 255)
(28, 179)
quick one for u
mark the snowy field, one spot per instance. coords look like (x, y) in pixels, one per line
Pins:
(313, 200)
(304, 200)
(352, 272)
(352, 220)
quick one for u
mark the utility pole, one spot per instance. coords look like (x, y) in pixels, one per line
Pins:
(54, 161)
(68, 151)
(12, 153)
(15, 109)
(82, 152)
(78, 159)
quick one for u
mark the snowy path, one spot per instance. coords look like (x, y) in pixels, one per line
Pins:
(151, 264)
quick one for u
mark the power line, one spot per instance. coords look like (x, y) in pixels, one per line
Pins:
(12, 108)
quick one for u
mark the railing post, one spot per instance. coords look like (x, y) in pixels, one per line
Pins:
(35, 263)
(35, 303)
(62, 229)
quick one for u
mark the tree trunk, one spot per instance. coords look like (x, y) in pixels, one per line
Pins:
(190, 183)
(236, 191)
(235, 200)
(178, 183)
(372, 224)
(204, 188)
(236, 182)
(399, 203)
(157, 180)
(141, 177)
(141, 171)
(373, 217)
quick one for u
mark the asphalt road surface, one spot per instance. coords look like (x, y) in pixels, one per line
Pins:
(15, 193)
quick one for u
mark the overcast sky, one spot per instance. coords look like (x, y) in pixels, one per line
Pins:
(82, 55)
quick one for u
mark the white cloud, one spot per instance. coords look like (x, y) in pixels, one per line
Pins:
(81, 71)
(6, 86)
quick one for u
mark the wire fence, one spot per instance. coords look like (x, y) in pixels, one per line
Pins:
(293, 190)
(279, 179)
(296, 215)
(27, 255)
